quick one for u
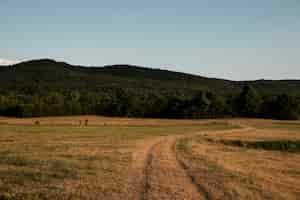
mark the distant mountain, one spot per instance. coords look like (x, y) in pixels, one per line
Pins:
(60, 75)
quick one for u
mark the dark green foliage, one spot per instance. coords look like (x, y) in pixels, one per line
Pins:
(287, 107)
(284, 145)
(281, 107)
(7, 196)
(47, 88)
(217, 105)
(249, 102)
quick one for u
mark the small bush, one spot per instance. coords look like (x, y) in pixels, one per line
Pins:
(62, 169)
(7, 196)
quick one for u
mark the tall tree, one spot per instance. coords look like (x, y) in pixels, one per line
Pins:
(249, 102)
(286, 107)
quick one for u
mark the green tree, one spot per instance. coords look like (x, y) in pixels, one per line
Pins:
(286, 107)
(202, 103)
(249, 102)
(54, 104)
(217, 105)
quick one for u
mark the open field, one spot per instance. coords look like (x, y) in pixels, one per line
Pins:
(235, 165)
(120, 158)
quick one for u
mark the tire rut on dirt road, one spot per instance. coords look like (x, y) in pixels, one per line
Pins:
(200, 188)
(165, 177)
(157, 172)
(138, 178)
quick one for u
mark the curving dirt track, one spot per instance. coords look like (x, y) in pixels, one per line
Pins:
(160, 175)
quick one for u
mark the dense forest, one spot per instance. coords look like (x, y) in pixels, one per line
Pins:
(49, 88)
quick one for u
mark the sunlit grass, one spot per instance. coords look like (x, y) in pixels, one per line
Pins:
(46, 161)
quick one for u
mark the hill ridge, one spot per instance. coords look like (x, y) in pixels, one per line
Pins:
(64, 75)
(130, 66)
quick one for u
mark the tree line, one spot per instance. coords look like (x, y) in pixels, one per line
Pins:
(155, 104)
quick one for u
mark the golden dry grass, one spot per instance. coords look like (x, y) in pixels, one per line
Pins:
(229, 172)
(101, 121)
(58, 159)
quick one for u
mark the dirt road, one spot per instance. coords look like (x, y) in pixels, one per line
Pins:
(159, 175)
(165, 177)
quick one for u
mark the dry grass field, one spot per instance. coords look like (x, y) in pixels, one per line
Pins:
(120, 158)
(225, 170)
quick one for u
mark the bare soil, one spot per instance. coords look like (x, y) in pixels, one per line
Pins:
(165, 177)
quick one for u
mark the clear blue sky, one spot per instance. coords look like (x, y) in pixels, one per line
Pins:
(234, 39)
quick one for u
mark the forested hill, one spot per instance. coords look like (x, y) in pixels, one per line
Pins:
(60, 75)
(97, 88)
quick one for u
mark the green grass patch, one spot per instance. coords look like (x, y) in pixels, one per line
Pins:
(9, 158)
(62, 169)
(280, 125)
(184, 145)
(7, 196)
(280, 145)
(215, 126)
(23, 176)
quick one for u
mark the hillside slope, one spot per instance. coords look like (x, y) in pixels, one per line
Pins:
(59, 75)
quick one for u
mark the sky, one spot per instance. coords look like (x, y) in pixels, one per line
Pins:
(232, 39)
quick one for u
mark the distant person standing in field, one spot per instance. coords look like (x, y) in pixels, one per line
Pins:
(86, 122)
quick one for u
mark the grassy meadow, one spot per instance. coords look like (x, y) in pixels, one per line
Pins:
(61, 158)
(57, 158)
(262, 162)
